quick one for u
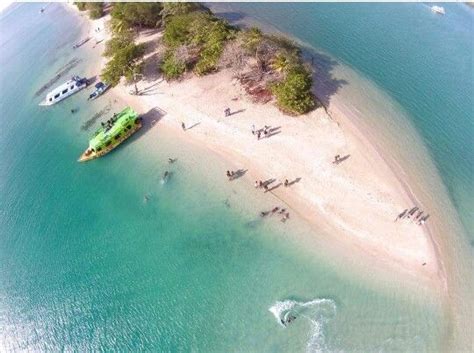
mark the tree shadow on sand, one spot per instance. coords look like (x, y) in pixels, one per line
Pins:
(325, 85)
(151, 71)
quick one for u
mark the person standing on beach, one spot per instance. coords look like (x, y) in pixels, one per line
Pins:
(286, 182)
(183, 126)
(253, 129)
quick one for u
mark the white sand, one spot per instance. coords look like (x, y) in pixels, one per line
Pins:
(355, 202)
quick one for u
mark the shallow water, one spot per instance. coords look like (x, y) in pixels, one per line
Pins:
(88, 263)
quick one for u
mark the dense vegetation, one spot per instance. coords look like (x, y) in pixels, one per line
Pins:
(197, 41)
(96, 9)
(126, 56)
(125, 59)
(126, 15)
(194, 40)
(293, 93)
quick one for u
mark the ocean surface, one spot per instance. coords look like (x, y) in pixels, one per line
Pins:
(107, 256)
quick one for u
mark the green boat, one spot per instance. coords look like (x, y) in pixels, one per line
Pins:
(112, 133)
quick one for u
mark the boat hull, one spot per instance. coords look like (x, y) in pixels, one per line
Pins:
(93, 155)
(63, 97)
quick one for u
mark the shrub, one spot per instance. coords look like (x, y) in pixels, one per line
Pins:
(213, 47)
(178, 8)
(202, 31)
(140, 14)
(118, 42)
(125, 62)
(82, 6)
(177, 30)
(293, 94)
(171, 67)
(96, 9)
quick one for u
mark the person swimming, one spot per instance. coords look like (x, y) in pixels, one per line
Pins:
(165, 177)
(288, 320)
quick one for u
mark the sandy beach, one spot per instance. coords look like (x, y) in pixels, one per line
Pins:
(355, 202)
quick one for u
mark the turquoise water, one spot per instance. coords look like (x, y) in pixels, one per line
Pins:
(86, 263)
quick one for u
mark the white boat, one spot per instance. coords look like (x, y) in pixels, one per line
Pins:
(65, 90)
(100, 88)
(438, 9)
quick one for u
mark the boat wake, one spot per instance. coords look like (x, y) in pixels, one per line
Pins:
(317, 311)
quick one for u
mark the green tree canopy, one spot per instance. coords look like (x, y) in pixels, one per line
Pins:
(200, 30)
(137, 14)
(126, 62)
(96, 9)
(82, 6)
(178, 8)
(251, 39)
(118, 42)
(293, 94)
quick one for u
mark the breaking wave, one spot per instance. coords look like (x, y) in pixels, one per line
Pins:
(317, 312)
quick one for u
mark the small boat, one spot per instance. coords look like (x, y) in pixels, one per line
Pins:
(438, 9)
(100, 89)
(74, 85)
(112, 133)
(82, 42)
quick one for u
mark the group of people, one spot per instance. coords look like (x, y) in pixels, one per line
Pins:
(276, 210)
(262, 185)
(109, 123)
(265, 131)
(415, 214)
(288, 320)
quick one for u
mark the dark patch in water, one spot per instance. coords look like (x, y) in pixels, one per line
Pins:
(61, 72)
(253, 224)
(87, 125)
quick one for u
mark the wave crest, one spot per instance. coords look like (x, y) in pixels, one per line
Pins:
(317, 312)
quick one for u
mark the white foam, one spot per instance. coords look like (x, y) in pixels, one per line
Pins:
(317, 312)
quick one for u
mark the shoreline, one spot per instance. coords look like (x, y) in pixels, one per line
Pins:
(297, 203)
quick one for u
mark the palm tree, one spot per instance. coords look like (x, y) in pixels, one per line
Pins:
(176, 8)
(280, 63)
(119, 25)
